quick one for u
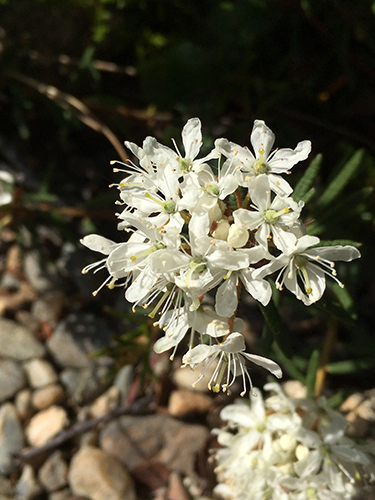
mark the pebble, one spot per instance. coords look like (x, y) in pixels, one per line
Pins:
(22, 403)
(123, 381)
(6, 489)
(53, 474)
(47, 396)
(11, 437)
(183, 402)
(352, 402)
(45, 425)
(105, 403)
(64, 494)
(48, 308)
(17, 342)
(40, 373)
(84, 385)
(40, 279)
(295, 389)
(98, 475)
(12, 379)
(184, 378)
(77, 336)
(158, 437)
(27, 486)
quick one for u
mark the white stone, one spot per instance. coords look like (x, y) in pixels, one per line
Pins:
(40, 373)
(98, 475)
(45, 425)
(47, 396)
(106, 402)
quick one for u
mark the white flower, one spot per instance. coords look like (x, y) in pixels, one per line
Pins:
(274, 217)
(231, 363)
(264, 162)
(270, 451)
(308, 266)
(6, 181)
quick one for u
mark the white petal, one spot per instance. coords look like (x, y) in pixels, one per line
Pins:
(284, 159)
(346, 253)
(259, 289)
(226, 297)
(234, 343)
(266, 363)
(192, 138)
(99, 243)
(262, 137)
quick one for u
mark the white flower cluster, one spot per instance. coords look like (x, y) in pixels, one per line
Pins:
(187, 239)
(6, 182)
(285, 449)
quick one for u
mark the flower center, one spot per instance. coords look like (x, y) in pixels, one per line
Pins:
(270, 216)
(260, 166)
(198, 266)
(169, 207)
(185, 164)
(214, 189)
(300, 262)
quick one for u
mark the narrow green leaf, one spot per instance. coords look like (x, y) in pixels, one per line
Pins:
(341, 180)
(309, 195)
(281, 344)
(287, 364)
(350, 366)
(345, 299)
(308, 178)
(311, 372)
(338, 213)
(332, 243)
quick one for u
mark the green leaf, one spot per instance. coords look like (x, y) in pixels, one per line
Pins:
(350, 366)
(332, 243)
(311, 373)
(339, 212)
(281, 344)
(337, 185)
(308, 178)
(345, 299)
(309, 195)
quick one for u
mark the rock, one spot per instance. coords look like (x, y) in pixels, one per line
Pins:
(105, 403)
(295, 389)
(64, 494)
(40, 279)
(176, 488)
(12, 379)
(47, 396)
(352, 402)
(17, 342)
(98, 475)
(184, 402)
(48, 308)
(85, 385)
(77, 336)
(23, 403)
(40, 373)
(27, 486)
(53, 474)
(158, 437)
(123, 381)
(11, 437)
(6, 489)
(184, 378)
(45, 425)
(26, 319)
